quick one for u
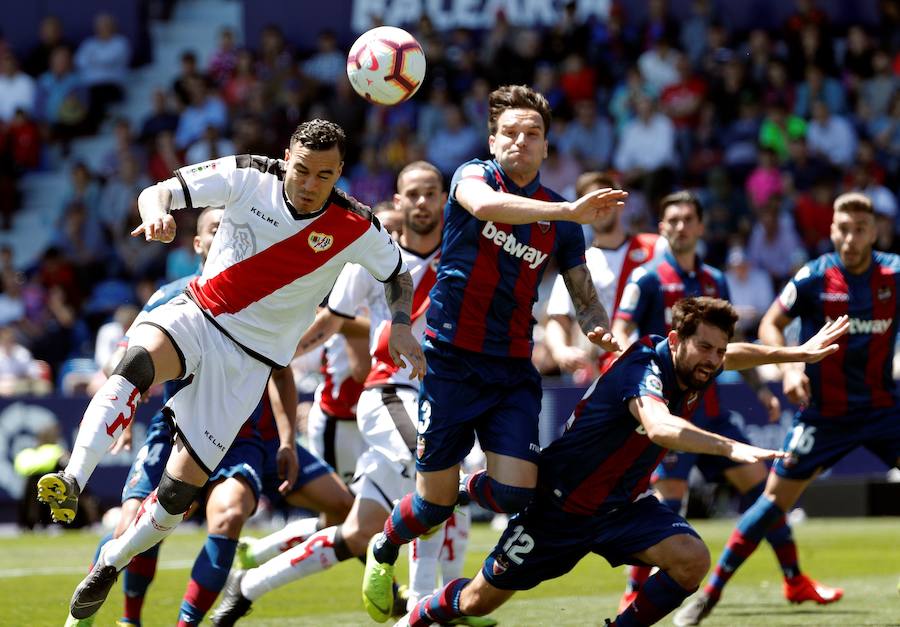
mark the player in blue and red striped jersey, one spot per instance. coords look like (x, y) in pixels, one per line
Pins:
(846, 402)
(592, 488)
(500, 228)
(646, 308)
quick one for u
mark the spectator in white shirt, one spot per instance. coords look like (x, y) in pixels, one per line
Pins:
(751, 291)
(646, 152)
(110, 335)
(831, 136)
(102, 61)
(659, 66)
(19, 371)
(17, 89)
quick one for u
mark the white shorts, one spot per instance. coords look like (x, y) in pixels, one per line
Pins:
(336, 441)
(226, 387)
(386, 472)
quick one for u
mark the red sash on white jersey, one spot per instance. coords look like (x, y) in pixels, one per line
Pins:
(383, 367)
(343, 404)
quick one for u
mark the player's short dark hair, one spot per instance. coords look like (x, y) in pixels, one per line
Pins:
(320, 135)
(854, 201)
(205, 212)
(420, 165)
(517, 97)
(682, 197)
(594, 180)
(688, 313)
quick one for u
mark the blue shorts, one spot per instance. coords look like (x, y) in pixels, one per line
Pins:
(465, 393)
(544, 542)
(148, 466)
(244, 459)
(311, 467)
(677, 465)
(818, 443)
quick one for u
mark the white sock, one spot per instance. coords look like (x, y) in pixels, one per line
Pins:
(109, 412)
(151, 525)
(456, 541)
(312, 556)
(264, 549)
(423, 563)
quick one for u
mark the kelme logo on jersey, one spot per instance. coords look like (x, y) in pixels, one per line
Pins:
(320, 242)
(507, 241)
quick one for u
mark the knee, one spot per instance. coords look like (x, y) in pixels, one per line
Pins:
(690, 564)
(175, 495)
(137, 368)
(228, 521)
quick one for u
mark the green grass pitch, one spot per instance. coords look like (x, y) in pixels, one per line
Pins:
(39, 572)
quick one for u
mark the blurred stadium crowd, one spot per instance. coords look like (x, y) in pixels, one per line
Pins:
(766, 126)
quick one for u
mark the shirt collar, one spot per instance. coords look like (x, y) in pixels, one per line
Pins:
(528, 190)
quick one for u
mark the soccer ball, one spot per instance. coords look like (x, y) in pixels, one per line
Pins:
(386, 65)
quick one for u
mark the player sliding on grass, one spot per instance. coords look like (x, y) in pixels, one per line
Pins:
(646, 308)
(847, 401)
(285, 235)
(500, 228)
(592, 496)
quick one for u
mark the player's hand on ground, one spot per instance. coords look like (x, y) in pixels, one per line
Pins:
(402, 344)
(160, 229)
(571, 358)
(822, 344)
(796, 386)
(123, 443)
(604, 339)
(586, 209)
(771, 403)
(288, 466)
(748, 454)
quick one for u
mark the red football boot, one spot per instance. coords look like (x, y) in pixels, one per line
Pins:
(801, 588)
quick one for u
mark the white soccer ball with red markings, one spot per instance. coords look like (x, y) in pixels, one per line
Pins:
(386, 65)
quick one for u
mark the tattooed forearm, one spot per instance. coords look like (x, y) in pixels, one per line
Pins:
(399, 294)
(588, 310)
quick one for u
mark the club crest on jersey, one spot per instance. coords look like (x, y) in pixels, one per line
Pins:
(884, 293)
(543, 226)
(320, 242)
(420, 446)
(500, 565)
(638, 255)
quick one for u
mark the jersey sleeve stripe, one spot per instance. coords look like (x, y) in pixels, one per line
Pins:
(396, 269)
(184, 188)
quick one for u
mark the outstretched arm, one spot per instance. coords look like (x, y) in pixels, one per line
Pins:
(673, 432)
(591, 315)
(742, 355)
(486, 203)
(399, 293)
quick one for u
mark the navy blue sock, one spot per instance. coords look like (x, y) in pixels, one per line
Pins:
(207, 578)
(659, 595)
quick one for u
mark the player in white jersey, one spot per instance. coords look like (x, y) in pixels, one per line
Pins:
(284, 237)
(331, 423)
(611, 258)
(386, 411)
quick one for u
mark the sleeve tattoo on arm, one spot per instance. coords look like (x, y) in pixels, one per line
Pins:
(588, 310)
(399, 293)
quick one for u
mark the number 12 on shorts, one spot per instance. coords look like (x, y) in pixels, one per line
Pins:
(518, 545)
